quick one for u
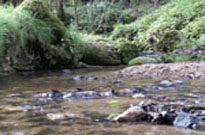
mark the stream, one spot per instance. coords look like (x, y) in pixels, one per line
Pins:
(21, 115)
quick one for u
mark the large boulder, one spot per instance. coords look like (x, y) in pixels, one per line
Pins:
(100, 53)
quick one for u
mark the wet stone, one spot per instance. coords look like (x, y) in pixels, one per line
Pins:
(81, 94)
(166, 83)
(117, 82)
(28, 107)
(12, 133)
(57, 95)
(59, 116)
(79, 78)
(169, 83)
(168, 114)
(84, 95)
(16, 95)
(133, 114)
(67, 71)
(184, 120)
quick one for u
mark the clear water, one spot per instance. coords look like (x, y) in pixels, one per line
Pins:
(89, 115)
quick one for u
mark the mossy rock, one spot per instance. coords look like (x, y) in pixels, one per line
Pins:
(39, 10)
(100, 53)
(33, 40)
(141, 60)
(127, 50)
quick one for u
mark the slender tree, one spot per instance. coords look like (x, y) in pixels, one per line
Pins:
(75, 12)
(60, 9)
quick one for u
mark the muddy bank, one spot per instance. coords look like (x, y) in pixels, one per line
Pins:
(188, 70)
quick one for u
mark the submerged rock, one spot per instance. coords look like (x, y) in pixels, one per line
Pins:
(54, 95)
(16, 95)
(170, 83)
(66, 71)
(84, 95)
(166, 83)
(79, 78)
(80, 94)
(12, 133)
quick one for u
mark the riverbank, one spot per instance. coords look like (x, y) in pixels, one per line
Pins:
(184, 70)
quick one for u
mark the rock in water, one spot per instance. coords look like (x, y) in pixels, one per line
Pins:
(66, 71)
(133, 114)
(56, 95)
(79, 78)
(59, 116)
(166, 83)
(184, 120)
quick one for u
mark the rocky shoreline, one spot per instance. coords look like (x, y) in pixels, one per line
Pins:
(185, 70)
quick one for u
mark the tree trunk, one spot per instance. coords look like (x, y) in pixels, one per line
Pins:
(75, 12)
(60, 10)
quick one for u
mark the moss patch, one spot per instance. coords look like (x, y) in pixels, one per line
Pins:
(100, 53)
(141, 60)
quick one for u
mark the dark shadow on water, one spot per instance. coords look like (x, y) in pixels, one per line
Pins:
(47, 131)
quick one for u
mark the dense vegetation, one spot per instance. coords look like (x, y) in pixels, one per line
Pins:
(176, 25)
(36, 35)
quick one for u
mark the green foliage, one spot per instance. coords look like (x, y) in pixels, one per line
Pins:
(30, 39)
(169, 27)
(19, 29)
(102, 15)
(202, 57)
(182, 58)
(195, 31)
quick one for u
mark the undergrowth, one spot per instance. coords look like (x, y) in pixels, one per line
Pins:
(175, 25)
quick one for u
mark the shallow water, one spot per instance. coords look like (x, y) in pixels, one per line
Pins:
(88, 115)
